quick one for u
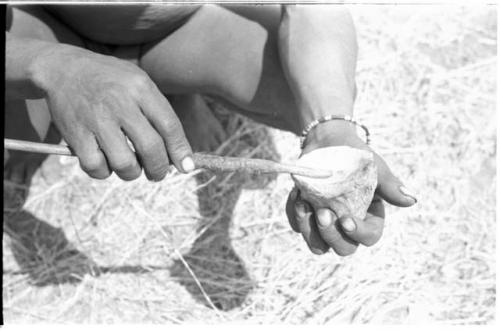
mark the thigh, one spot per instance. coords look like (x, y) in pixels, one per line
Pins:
(230, 53)
(35, 22)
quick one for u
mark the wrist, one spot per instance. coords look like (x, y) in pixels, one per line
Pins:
(332, 133)
(51, 66)
(21, 70)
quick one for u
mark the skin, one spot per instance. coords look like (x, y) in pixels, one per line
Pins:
(257, 59)
(203, 130)
(119, 99)
(323, 229)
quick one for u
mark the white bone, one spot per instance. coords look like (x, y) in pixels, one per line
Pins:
(350, 189)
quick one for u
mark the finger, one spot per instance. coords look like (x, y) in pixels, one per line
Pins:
(367, 231)
(377, 208)
(161, 115)
(390, 188)
(149, 147)
(307, 226)
(290, 210)
(91, 158)
(329, 231)
(120, 157)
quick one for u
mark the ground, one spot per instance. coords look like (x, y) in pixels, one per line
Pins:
(206, 248)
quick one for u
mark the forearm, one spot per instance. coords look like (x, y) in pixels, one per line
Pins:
(21, 67)
(318, 52)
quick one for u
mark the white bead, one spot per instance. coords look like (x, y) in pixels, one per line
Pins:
(316, 122)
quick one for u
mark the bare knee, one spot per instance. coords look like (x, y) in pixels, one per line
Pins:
(326, 22)
(227, 60)
(318, 14)
(244, 41)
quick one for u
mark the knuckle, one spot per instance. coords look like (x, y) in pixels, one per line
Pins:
(127, 170)
(101, 127)
(154, 158)
(178, 150)
(95, 167)
(156, 171)
(125, 164)
(139, 84)
(153, 147)
(172, 129)
(130, 175)
(92, 162)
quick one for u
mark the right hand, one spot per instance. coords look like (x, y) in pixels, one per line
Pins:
(97, 101)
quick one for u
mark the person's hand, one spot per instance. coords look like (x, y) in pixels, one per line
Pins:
(322, 229)
(98, 101)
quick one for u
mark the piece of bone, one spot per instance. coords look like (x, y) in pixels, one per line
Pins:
(349, 191)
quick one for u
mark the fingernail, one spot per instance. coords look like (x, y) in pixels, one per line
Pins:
(349, 225)
(407, 192)
(188, 164)
(324, 218)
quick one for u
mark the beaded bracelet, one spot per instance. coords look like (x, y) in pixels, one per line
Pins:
(316, 122)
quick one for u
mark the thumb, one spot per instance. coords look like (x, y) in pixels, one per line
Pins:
(390, 188)
(179, 149)
(162, 116)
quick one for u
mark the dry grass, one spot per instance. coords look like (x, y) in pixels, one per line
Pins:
(199, 248)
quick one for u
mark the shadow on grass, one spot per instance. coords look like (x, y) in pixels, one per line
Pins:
(218, 268)
(44, 253)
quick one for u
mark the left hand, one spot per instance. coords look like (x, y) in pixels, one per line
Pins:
(322, 229)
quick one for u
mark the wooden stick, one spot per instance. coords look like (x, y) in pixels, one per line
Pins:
(201, 160)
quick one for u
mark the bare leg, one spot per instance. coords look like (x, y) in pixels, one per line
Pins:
(30, 119)
(227, 55)
(203, 130)
(285, 67)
